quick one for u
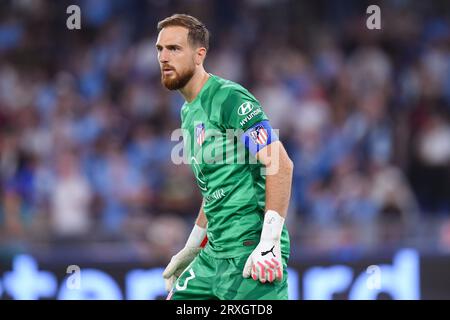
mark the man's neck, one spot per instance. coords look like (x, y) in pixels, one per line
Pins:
(193, 87)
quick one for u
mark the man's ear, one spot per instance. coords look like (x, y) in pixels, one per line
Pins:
(200, 54)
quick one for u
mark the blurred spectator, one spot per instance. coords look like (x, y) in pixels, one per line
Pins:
(166, 233)
(433, 167)
(70, 199)
(391, 192)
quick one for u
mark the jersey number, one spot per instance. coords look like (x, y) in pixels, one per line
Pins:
(184, 286)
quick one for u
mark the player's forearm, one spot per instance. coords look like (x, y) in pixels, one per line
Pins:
(278, 187)
(198, 234)
(201, 220)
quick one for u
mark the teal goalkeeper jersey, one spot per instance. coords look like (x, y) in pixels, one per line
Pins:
(230, 178)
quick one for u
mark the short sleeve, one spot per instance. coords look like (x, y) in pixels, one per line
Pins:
(240, 110)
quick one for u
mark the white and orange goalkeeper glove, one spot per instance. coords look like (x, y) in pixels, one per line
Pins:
(264, 263)
(184, 257)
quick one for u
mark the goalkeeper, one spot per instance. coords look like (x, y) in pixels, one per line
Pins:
(242, 216)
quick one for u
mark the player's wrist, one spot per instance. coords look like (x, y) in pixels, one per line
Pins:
(196, 237)
(272, 226)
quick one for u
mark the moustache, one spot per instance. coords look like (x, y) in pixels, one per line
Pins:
(167, 68)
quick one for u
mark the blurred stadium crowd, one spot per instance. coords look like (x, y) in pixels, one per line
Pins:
(85, 124)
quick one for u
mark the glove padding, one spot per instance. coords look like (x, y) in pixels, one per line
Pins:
(177, 264)
(265, 263)
(182, 259)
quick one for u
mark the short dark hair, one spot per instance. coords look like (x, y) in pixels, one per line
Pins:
(198, 35)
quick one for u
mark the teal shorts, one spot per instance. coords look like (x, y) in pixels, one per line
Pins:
(208, 278)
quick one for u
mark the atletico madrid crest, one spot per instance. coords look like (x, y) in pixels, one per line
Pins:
(200, 133)
(259, 135)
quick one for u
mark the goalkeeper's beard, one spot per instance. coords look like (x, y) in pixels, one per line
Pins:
(177, 81)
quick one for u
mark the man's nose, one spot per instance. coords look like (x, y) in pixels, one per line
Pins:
(163, 56)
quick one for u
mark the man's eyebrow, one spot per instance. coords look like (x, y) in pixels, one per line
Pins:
(169, 46)
(173, 46)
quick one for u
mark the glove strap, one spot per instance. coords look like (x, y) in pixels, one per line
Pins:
(273, 226)
(196, 237)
